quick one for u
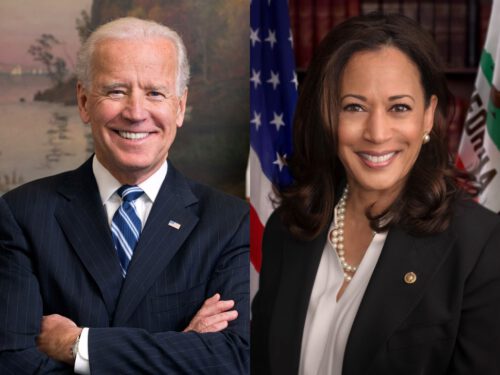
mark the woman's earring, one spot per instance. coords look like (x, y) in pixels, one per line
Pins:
(426, 138)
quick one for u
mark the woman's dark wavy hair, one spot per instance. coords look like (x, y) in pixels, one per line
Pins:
(424, 204)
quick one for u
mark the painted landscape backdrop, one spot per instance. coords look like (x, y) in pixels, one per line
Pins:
(40, 131)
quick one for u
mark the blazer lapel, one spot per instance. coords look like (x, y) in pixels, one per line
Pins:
(388, 298)
(82, 218)
(160, 239)
(300, 264)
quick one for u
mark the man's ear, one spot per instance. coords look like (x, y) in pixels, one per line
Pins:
(82, 98)
(181, 109)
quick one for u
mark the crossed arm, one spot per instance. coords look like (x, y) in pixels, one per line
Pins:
(58, 333)
(30, 343)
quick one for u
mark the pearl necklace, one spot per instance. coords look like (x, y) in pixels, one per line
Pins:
(336, 236)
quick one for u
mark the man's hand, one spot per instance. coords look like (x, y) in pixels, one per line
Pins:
(57, 336)
(213, 316)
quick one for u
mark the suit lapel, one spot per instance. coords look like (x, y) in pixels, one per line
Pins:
(159, 241)
(82, 218)
(300, 264)
(388, 298)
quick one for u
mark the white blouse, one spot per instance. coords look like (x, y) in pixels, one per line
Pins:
(328, 322)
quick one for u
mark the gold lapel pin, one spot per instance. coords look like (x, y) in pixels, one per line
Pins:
(410, 277)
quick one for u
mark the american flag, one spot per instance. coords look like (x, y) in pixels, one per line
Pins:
(273, 94)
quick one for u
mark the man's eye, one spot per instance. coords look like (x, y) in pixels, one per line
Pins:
(116, 93)
(353, 108)
(400, 108)
(156, 94)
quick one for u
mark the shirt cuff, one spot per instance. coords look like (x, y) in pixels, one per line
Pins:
(82, 364)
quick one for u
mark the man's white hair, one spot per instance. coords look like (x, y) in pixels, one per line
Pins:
(132, 28)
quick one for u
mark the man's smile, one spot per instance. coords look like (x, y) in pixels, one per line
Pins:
(132, 135)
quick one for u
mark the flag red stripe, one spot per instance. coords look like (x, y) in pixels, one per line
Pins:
(256, 232)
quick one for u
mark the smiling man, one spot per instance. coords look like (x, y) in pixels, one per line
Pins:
(123, 265)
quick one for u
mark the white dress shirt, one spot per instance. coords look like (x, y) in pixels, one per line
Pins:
(108, 185)
(328, 322)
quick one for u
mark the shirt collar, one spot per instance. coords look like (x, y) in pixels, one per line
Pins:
(108, 185)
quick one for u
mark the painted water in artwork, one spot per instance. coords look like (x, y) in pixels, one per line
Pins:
(37, 138)
(40, 130)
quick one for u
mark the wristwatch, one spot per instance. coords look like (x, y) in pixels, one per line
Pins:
(74, 347)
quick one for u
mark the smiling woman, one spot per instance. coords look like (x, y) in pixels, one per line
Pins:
(376, 261)
(390, 81)
(382, 121)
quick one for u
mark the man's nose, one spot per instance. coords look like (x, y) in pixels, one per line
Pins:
(135, 109)
(378, 127)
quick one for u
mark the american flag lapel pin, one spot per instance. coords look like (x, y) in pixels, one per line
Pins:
(174, 224)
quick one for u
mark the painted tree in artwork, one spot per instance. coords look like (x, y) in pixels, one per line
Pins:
(219, 38)
(103, 11)
(212, 30)
(83, 26)
(43, 51)
(233, 42)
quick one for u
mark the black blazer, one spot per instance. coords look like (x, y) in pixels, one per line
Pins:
(447, 322)
(57, 256)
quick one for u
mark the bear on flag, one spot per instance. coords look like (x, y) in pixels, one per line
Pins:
(479, 151)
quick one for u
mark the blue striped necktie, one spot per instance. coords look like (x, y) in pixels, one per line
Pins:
(126, 225)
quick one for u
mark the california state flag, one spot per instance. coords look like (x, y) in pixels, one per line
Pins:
(479, 151)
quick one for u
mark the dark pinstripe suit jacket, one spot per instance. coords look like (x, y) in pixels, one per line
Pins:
(57, 256)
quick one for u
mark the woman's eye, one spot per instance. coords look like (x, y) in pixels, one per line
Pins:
(400, 108)
(353, 108)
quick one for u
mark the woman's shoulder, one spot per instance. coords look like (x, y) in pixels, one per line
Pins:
(472, 221)
(275, 222)
(469, 212)
(275, 230)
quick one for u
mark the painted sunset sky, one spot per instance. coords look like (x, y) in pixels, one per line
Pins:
(23, 21)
